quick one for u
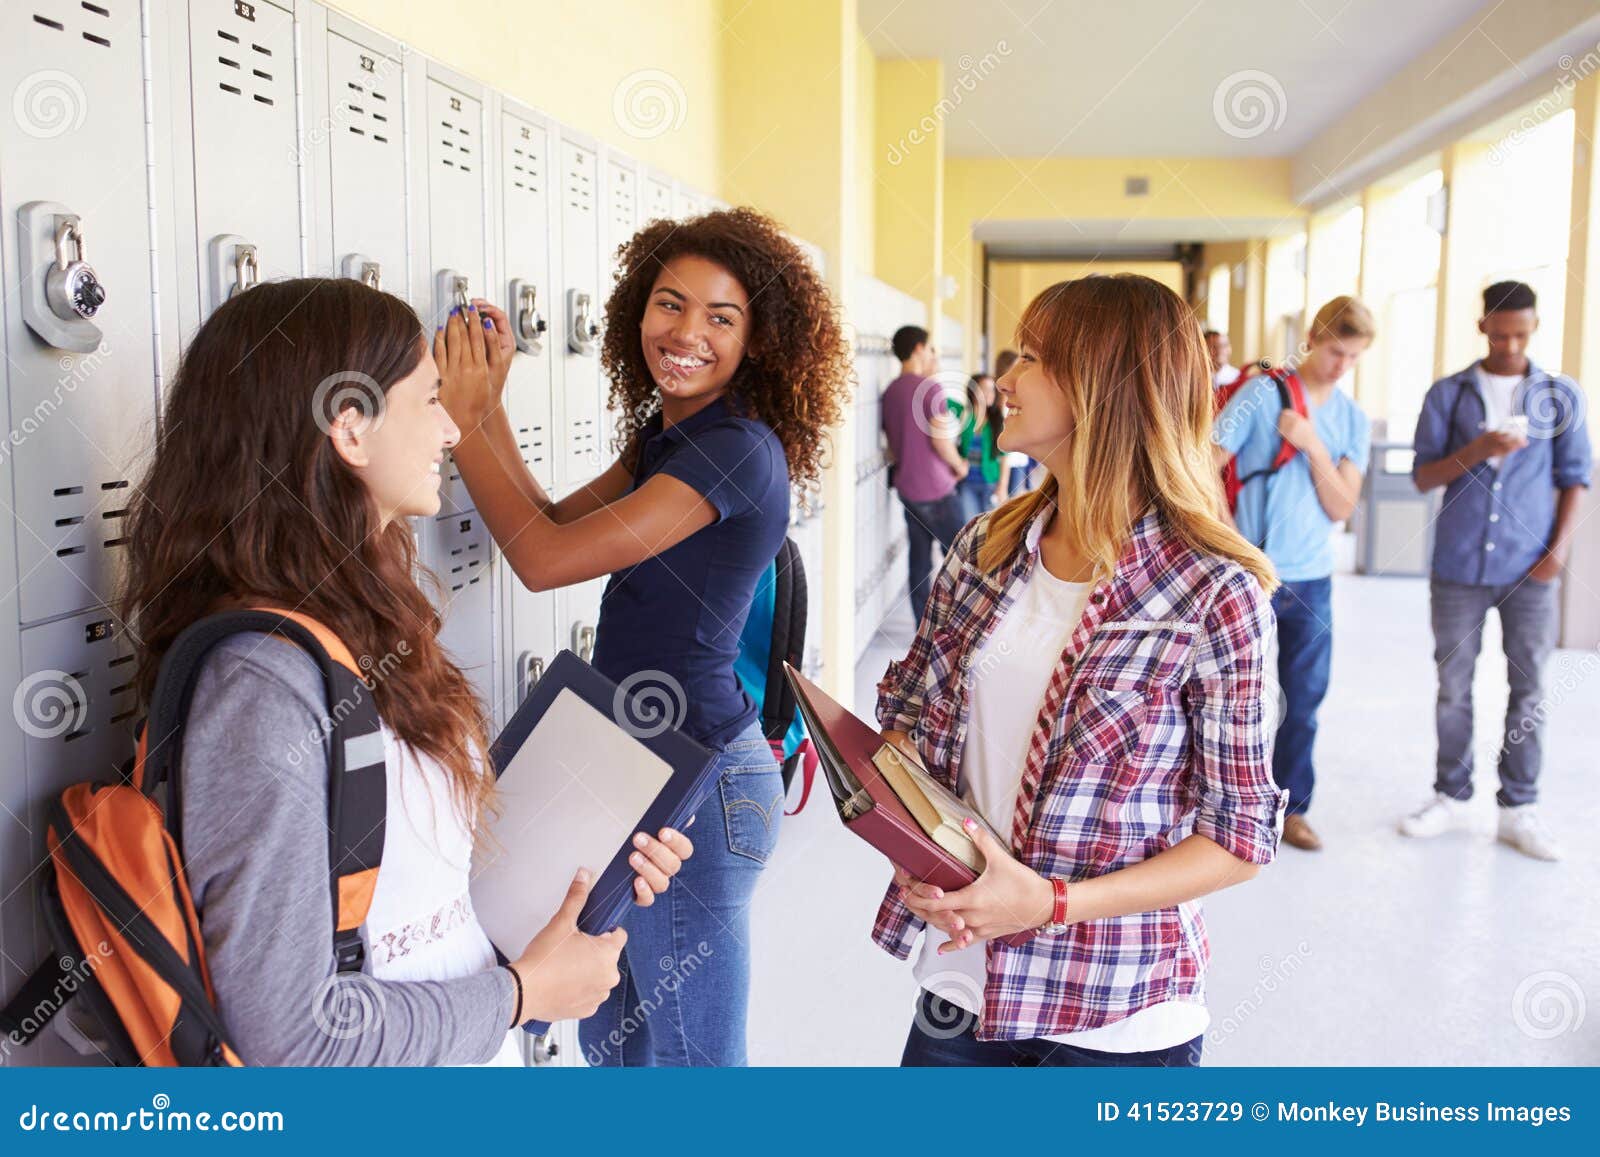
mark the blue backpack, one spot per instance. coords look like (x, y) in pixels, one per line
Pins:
(774, 634)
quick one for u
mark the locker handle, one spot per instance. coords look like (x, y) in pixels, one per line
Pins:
(530, 326)
(372, 275)
(246, 269)
(586, 643)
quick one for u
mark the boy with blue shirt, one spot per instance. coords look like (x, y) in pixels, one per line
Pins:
(1509, 443)
(1290, 514)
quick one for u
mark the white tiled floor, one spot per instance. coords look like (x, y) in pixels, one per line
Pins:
(1377, 950)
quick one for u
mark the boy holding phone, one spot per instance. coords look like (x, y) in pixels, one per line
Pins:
(1509, 443)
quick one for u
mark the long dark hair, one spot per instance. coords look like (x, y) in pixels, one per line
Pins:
(797, 368)
(247, 502)
(994, 414)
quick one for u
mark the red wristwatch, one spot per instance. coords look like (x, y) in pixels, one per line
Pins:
(1058, 910)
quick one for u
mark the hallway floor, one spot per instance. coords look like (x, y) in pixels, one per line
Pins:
(1376, 950)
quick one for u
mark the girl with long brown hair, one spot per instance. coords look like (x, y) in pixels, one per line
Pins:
(302, 429)
(727, 365)
(1089, 675)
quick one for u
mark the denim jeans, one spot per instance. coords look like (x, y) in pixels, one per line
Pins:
(925, 521)
(686, 967)
(1305, 653)
(945, 1035)
(977, 495)
(1528, 622)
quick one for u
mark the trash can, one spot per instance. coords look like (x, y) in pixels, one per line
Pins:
(1394, 522)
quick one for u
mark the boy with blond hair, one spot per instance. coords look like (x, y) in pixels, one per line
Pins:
(1290, 513)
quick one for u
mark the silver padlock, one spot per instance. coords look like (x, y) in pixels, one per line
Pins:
(72, 288)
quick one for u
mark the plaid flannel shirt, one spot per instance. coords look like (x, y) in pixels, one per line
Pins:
(1151, 730)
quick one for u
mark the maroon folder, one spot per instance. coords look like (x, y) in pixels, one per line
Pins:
(866, 803)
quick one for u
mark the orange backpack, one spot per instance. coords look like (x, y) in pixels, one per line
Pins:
(113, 891)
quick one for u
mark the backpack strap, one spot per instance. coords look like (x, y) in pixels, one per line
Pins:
(357, 782)
(778, 704)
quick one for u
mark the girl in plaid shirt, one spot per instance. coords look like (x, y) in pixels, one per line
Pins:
(1089, 675)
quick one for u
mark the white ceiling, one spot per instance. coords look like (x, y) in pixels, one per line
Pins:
(1147, 77)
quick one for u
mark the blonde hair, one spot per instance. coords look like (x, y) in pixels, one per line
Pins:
(1126, 353)
(1344, 317)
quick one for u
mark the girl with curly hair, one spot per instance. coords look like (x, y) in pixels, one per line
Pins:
(727, 364)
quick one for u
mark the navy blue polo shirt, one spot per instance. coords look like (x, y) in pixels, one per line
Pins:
(680, 614)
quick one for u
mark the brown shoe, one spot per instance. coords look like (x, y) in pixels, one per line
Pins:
(1297, 833)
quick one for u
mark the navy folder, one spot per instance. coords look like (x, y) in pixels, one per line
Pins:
(689, 784)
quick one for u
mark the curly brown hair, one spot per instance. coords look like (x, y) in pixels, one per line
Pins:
(797, 368)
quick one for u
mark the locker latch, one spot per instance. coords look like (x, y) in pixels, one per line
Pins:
(529, 325)
(451, 291)
(60, 291)
(530, 671)
(583, 640)
(360, 267)
(246, 269)
(584, 335)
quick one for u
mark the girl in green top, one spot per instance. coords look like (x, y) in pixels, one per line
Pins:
(981, 421)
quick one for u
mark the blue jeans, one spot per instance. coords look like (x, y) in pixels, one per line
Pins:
(1529, 615)
(686, 967)
(925, 521)
(953, 1040)
(1305, 654)
(977, 494)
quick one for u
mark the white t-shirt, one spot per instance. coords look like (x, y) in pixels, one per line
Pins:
(1226, 375)
(1026, 645)
(1498, 394)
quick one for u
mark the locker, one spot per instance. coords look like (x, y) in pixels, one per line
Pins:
(75, 706)
(528, 633)
(241, 117)
(657, 199)
(686, 203)
(464, 565)
(578, 610)
(82, 391)
(578, 222)
(355, 151)
(623, 205)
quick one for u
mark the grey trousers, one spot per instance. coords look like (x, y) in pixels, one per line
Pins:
(1528, 622)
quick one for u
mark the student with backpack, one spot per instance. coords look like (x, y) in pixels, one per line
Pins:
(727, 365)
(1298, 446)
(302, 430)
(1089, 675)
(981, 423)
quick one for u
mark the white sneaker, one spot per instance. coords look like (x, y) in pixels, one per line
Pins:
(1439, 815)
(1522, 828)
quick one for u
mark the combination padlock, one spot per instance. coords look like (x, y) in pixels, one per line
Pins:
(72, 288)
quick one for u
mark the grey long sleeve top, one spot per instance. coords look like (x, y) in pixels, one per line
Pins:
(255, 807)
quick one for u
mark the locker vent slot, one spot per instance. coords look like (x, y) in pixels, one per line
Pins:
(101, 40)
(228, 36)
(69, 551)
(95, 8)
(119, 484)
(64, 491)
(229, 88)
(229, 63)
(48, 23)
(263, 99)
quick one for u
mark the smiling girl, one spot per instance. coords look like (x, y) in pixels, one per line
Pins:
(301, 432)
(727, 364)
(1089, 675)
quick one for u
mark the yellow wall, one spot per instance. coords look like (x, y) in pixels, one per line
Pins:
(1013, 284)
(1184, 189)
(866, 151)
(909, 178)
(570, 58)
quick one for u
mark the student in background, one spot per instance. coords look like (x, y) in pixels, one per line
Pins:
(1220, 348)
(727, 364)
(1509, 443)
(1089, 675)
(921, 433)
(262, 492)
(981, 422)
(1291, 513)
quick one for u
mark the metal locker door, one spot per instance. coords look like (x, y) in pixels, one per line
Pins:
(246, 139)
(75, 707)
(464, 567)
(525, 182)
(657, 200)
(582, 309)
(622, 221)
(74, 228)
(686, 204)
(579, 609)
(358, 113)
(457, 225)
